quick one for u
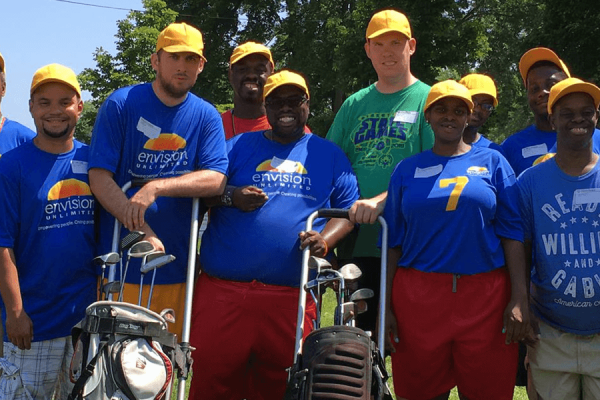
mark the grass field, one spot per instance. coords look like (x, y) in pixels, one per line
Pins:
(329, 303)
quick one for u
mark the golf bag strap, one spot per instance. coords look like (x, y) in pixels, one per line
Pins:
(77, 393)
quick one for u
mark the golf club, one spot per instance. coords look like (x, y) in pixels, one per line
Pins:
(152, 264)
(137, 250)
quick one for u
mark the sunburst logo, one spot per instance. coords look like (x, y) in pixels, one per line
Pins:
(475, 170)
(282, 166)
(543, 158)
(166, 141)
(68, 188)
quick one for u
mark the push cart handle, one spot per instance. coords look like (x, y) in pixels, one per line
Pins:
(139, 182)
(333, 213)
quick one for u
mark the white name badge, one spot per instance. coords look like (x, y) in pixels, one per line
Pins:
(148, 129)
(537, 150)
(586, 196)
(429, 171)
(406, 116)
(79, 167)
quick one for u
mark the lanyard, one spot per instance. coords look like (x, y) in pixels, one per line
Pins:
(2, 120)
(233, 123)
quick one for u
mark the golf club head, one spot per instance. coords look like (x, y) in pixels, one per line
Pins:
(157, 263)
(154, 255)
(107, 259)
(111, 288)
(362, 294)
(168, 314)
(318, 263)
(350, 272)
(311, 285)
(130, 239)
(360, 307)
(140, 249)
(348, 312)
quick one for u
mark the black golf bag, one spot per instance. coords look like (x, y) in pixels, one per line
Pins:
(338, 362)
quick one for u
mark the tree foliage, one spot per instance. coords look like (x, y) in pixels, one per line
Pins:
(135, 42)
(324, 39)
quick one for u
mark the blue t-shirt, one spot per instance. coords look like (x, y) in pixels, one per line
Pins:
(13, 134)
(299, 178)
(448, 213)
(137, 136)
(485, 142)
(531, 146)
(48, 221)
(561, 218)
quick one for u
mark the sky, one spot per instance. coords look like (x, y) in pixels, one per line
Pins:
(34, 33)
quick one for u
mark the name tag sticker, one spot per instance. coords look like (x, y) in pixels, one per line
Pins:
(147, 128)
(536, 150)
(79, 167)
(586, 196)
(429, 171)
(406, 116)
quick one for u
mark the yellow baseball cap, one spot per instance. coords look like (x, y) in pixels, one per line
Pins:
(572, 85)
(539, 54)
(180, 37)
(448, 88)
(55, 73)
(388, 21)
(2, 63)
(245, 49)
(480, 84)
(285, 77)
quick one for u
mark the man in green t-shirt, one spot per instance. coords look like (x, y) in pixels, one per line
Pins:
(377, 127)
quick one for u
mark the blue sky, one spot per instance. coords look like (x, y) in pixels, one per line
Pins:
(34, 33)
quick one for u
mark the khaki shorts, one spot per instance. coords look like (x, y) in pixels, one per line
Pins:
(565, 365)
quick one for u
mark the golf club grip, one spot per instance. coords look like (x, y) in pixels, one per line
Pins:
(139, 182)
(333, 213)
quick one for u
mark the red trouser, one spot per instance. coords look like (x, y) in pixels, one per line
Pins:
(452, 338)
(244, 335)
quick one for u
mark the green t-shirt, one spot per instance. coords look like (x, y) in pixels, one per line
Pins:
(377, 131)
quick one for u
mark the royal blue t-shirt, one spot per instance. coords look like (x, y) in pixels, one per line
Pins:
(531, 146)
(447, 214)
(299, 178)
(137, 136)
(13, 134)
(485, 142)
(562, 219)
(48, 221)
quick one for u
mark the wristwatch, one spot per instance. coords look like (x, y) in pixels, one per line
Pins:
(227, 196)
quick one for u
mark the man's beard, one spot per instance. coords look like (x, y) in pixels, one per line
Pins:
(57, 135)
(171, 90)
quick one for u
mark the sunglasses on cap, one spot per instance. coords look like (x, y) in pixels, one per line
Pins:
(291, 102)
(484, 106)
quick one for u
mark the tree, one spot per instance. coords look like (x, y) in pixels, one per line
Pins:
(136, 41)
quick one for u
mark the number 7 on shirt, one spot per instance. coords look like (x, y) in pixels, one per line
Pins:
(459, 184)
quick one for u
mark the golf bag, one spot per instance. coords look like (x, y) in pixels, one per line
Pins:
(338, 362)
(122, 352)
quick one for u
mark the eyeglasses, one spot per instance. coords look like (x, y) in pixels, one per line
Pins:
(484, 106)
(291, 102)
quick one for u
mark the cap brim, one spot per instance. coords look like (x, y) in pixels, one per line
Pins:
(265, 54)
(475, 92)
(468, 102)
(540, 54)
(50, 80)
(272, 89)
(383, 31)
(183, 49)
(581, 87)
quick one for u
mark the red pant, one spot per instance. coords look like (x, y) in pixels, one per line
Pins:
(451, 338)
(244, 335)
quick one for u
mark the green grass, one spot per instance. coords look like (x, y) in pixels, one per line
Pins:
(329, 303)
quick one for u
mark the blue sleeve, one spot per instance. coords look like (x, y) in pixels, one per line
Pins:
(212, 151)
(508, 220)
(345, 189)
(525, 205)
(392, 212)
(9, 203)
(107, 137)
